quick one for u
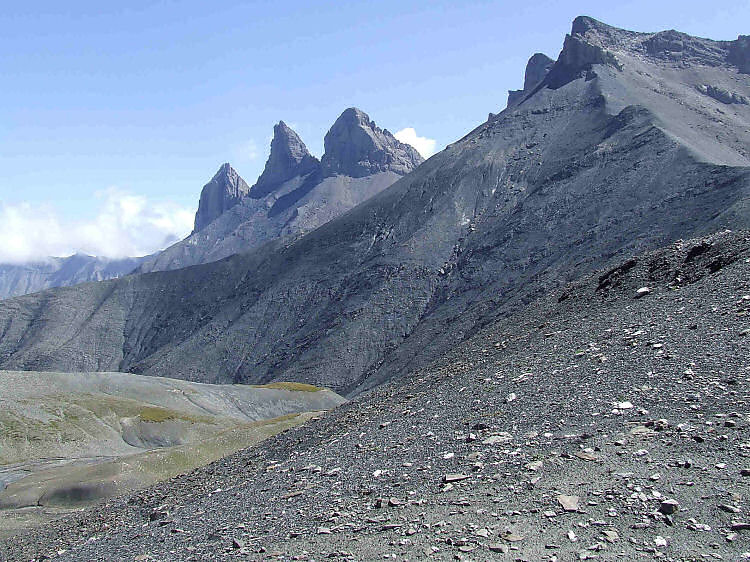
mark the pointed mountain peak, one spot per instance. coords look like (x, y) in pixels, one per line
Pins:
(223, 192)
(287, 144)
(289, 157)
(225, 171)
(355, 146)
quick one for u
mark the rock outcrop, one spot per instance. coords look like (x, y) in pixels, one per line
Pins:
(223, 192)
(289, 158)
(722, 94)
(356, 147)
(536, 70)
(739, 53)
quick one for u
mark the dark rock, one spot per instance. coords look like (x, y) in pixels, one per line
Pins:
(223, 192)
(537, 69)
(739, 53)
(356, 147)
(288, 158)
(669, 507)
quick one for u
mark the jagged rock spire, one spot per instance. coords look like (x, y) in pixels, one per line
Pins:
(356, 147)
(223, 192)
(536, 70)
(289, 157)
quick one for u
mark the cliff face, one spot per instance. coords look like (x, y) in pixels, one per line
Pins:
(616, 151)
(537, 69)
(223, 192)
(289, 158)
(356, 147)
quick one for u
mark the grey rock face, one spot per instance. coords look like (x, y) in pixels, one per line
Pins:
(356, 147)
(21, 279)
(223, 192)
(289, 157)
(586, 46)
(739, 53)
(582, 173)
(537, 69)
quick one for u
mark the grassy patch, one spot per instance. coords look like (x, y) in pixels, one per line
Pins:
(298, 386)
(155, 414)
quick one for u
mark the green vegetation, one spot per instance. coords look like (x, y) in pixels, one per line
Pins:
(298, 386)
(154, 414)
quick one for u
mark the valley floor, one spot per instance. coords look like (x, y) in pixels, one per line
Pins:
(594, 425)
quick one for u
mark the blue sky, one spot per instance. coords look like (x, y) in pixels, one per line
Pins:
(114, 114)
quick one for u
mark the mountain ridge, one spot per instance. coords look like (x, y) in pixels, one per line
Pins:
(597, 163)
(296, 192)
(34, 276)
(593, 391)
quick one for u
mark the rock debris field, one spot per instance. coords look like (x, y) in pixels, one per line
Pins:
(607, 421)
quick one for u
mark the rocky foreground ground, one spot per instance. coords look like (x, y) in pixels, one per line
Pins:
(608, 421)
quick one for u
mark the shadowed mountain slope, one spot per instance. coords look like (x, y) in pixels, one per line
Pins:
(619, 149)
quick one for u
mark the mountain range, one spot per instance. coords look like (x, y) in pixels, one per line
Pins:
(597, 161)
(581, 170)
(20, 279)
(543, 330)
(295, 193)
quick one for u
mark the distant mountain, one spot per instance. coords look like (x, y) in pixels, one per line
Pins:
(630, 142)
(20, 279)
(295, 193)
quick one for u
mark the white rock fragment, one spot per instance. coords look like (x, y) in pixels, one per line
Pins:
(568, 503)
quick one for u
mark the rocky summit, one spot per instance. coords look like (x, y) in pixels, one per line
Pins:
(543, 330)
(356, 147)
(223, 192)
(288, 158)
(295, 194)
(536, 70)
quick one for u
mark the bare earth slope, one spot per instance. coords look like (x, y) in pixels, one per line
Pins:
(602, 421)
(619, 149)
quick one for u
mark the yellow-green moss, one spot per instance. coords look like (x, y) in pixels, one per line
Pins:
(155, 414)
(298, 386)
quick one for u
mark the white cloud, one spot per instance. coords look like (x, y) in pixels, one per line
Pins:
(125, 225)
(425, 146)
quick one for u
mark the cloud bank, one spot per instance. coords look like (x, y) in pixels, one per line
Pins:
(425, 146)
(125, 225)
